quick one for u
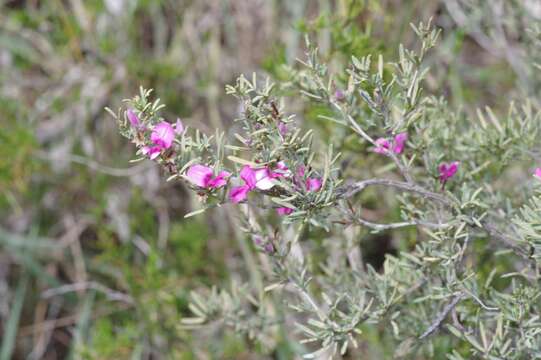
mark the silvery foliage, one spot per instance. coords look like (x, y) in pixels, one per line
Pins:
(437, 286)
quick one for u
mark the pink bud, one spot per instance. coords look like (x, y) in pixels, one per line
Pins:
(284, 211)
(537, 173)
(400, 142)
(282, 128)
(313, 184)
(134, 120)
(339, 95)
(163, 135)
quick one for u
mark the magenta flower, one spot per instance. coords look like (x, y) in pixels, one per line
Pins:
(313, 184)
(134, 119)
(281, 170)
(400, 142)
(203, 176)
(253, 178)
(152, 151)
(383, 145)
(284, 211)
(339, 95)
(447, 171)
(537, 173)
(163, 135)
(282, 128)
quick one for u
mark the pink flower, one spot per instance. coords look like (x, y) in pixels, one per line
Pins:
(163, 135)
(447, 171)
(152, 151)
(284, 211)
(258, 178)
(383, 145)
(239, 193)
(339, 95)
(134, 120)
(282, 128)
(537, 173)
(281, 170)
(400, 142)
(313, 184)
(179, 127)
(203, 176)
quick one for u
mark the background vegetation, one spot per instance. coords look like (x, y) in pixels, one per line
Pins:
(96, 259)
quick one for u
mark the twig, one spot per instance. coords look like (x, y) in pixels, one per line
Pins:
(361, 185)
(442, 315)
(111, 294)
(377, 226)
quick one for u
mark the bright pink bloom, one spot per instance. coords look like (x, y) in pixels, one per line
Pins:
(203, 176)
(284, 211)
(537, 173)
(400, 142)
(313, 184)
(258, 178)
(152, 151)
(382, 146)
(179, 127)
(447, 171)
(163, 135)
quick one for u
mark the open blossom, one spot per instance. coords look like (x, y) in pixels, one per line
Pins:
(253, 178)
(163, 135)
(284, 211)
(397, 146)
(203, 176)
(537, 173)
(447, 171)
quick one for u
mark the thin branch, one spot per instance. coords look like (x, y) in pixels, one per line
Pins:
(361, 185)
(397, 225)
(111, 294)
(442, 315)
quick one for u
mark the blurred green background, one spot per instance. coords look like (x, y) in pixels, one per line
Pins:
(96, 260)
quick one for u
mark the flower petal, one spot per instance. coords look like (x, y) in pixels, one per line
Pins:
(199, 175)
(248, 175)
(284, 211)
(313, 184)
(134, 120)
(382, 146)
(263, 179)
(537, 173)
(220, 180)
(400, 142)
(239, 193)
(163, 135)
